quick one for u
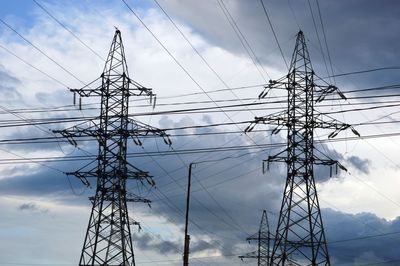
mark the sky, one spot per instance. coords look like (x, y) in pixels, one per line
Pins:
(50, 46)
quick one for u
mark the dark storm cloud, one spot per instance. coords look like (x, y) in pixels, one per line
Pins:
(361, 164)
(360, 34)
(46, 178)
(147, 241)
(324, 172)
(28, 206)
(353, 238)
(31, 206)
(43, 182)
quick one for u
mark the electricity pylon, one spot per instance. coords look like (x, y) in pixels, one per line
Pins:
(300, 233)
(263, 238)
(108, 239)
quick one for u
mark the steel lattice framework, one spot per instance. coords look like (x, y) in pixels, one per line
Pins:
(300, 233)
(108, 238)
(263, 238)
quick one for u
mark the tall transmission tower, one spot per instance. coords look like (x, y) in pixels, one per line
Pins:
(263, 238)
(108, 239)
(300, 233)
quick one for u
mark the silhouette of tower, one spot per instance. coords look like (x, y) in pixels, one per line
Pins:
(108, 239)
(263, 238)
(300, 233)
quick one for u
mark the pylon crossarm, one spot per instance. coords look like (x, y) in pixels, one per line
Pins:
(250, 255)
(279, 157)
(327, 162)
(139, 90)
(82, 177)
(273, 158)
(135, 223)
(86, 90)
(134, 173)
(132, 197)
(138, 129)
(321, 92)
(85, 129)
(279, 84)
(333, 165)
(135, 90)
(334, 124)
(279, 119)
(291, 262)
(141, 176)
(257, 237)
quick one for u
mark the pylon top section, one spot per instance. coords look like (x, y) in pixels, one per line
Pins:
(300, 58)
(116, 62)
(264, 225)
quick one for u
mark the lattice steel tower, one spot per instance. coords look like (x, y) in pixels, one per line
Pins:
(263, 238)
(108, 238)
(300, 233)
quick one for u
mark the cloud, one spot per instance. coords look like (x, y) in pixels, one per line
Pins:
(31, 206)
(8, 90)
(361, 165)
(354, 238)
(146, 241)
(366, 44)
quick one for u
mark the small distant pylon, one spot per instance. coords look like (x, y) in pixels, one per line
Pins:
(108, 239)
(300, 233)
(263, 238)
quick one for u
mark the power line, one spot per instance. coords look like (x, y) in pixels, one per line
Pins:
(273, 31)
(45, 121)
(68, 30)
(319, 39)
(243, 39)
(32, 66)
(326, 42)
(189, 151)
(199, 54)
(181, 66)
(41, 51)
(381, 262)
(367, 71)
